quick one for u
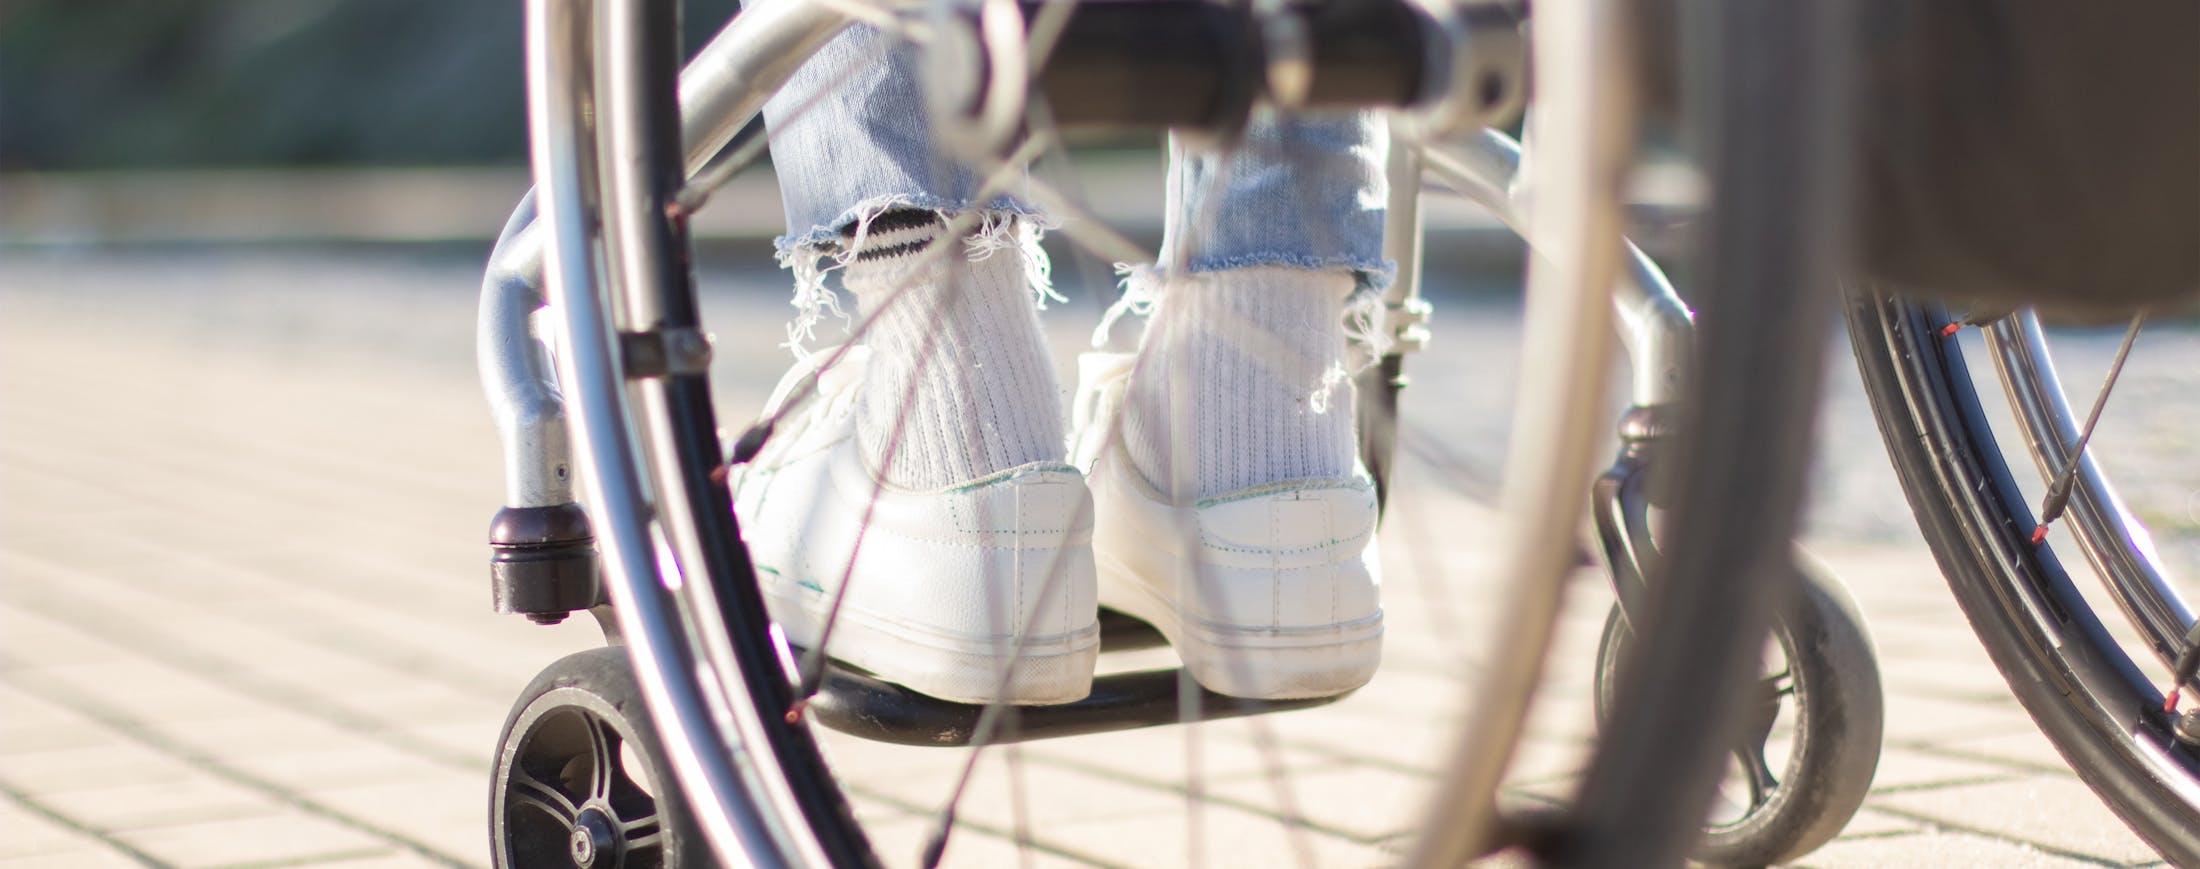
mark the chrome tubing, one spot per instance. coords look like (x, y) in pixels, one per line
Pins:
(2098, 517)
(654, 292)
(560, 92)
(1402, 219)
(516, 370)
(722, 88)
(727, 82)
(1583, 124)
(1654, 324)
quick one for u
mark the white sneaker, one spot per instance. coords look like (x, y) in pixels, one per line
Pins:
(1267, 593)
(945, 585)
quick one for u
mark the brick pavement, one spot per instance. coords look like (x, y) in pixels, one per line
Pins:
(243, 622)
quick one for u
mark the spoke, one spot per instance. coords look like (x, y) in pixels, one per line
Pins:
(603, 748)
(948, 241)
(1287, 799)
(1761, 782)
(643, 831)
(1019, 806)
(1751, 752)
(2058, 494)
(881, 16)
(813, 666)
(1084, 227)
(2188, 662)
(536, 794)
(1046, 32)
(1195, 777)
(1453, 470)
(989, 719)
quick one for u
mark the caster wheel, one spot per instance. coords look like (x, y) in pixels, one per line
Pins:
(579, 778)
(1807, 755)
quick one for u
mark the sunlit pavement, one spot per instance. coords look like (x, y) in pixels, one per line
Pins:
(244, 614)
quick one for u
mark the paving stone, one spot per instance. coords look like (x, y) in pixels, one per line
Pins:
(1934, 848)
(1228, 751)
(2017, 745)
(385, 860)
(33, 835)
(81, 858)
(108, 763)
(1367, 804)
(266, 839)
(147, 805)
(1054, 794)
(1923, 718)
(344, 763)
(445, 811)
(1869, 823)
(1903, 769)
(33, 724)
(898, 843)
(2049, 811)
(1228, 836)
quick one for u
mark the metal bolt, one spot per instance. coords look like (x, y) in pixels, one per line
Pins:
(584, 847)
(2187, 728)
(591, 838)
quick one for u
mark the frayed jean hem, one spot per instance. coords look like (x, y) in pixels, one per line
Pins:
(1370, 275)
(1005, 225)
(826, 238)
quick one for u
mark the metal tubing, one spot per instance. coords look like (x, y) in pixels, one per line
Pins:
(1402, 219)
(721, 90)
(515, 369)
(1654, 324)
(2037, 400)
(1583, 124)
(671, 415)
(560, 92)
(728, 81)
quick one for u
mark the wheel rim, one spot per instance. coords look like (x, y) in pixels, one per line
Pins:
(1780, 696)
(1751, 784)
(2126, 561)
(571, 790)
(2089, 695)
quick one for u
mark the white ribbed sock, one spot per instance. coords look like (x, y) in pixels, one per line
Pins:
(986, 400)
(1240, 372)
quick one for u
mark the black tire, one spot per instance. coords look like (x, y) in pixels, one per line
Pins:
(1743, 439)
(560, 770)
(1831, 672)
(2079, 685)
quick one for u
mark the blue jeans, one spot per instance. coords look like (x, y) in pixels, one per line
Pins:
(851, 141)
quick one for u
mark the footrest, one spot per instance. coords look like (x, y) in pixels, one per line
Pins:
(862, 705)
(859, 704)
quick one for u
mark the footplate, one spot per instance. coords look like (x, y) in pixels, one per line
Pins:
(862, 705)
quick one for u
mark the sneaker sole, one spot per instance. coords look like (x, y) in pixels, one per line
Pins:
(1051, 669)
(1255, 663)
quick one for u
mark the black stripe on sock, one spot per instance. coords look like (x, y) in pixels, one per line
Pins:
(900, 218)
(874, 254)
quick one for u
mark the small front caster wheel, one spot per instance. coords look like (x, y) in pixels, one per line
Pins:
(580, 779)
(1806, 758)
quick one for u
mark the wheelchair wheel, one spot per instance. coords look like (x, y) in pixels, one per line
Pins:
(1812, 742)
(2095, 686)
(580, 779)
(733, 706)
